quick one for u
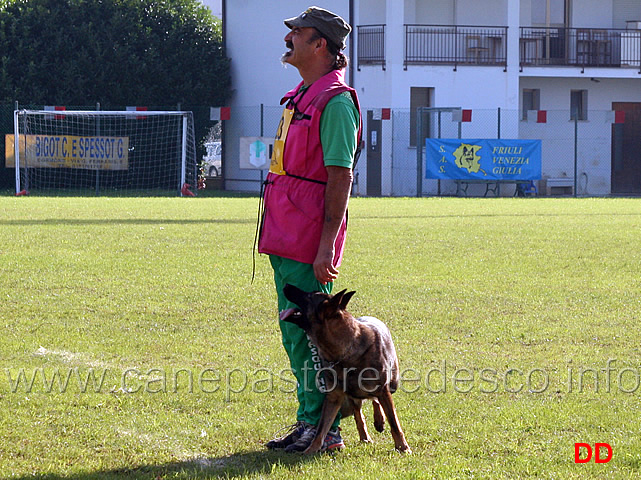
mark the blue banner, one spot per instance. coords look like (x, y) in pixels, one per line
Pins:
(482, 159)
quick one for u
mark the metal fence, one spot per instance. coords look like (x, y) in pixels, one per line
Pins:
(488, 45)
(592, 154)
(371, 45)
(583, 47)
(455, 45)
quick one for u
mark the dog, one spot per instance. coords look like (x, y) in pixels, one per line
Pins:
(359, 362)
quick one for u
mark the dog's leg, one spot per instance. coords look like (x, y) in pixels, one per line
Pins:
(331, 406)
(395, 427)
(379, 419)
(361, 426)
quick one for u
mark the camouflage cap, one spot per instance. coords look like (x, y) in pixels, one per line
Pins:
(329, 24)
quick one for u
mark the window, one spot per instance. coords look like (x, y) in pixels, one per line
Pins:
(578, 105)
(419, 97)
(531, 100)
(549, 12)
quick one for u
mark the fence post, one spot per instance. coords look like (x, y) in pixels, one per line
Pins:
(419, 151)
(576, 152)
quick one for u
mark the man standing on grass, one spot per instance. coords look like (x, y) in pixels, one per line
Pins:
(306, 195)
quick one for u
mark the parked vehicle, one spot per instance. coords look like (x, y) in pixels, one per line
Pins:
(213, 160)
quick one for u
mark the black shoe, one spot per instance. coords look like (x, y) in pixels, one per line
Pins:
(294, 433)
(303, 441)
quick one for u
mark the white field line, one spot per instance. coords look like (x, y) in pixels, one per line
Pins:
(150, 439)
(178, 451)
(71, 357)
(83, 359)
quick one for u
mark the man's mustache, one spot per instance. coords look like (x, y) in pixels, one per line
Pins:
(284, 56)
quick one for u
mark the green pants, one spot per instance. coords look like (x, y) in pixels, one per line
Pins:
(303, 354)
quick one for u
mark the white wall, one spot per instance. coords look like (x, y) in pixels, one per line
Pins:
(471, 87)
(555, 92)
(372, 12)
(592, 14)
(625, 10)
(254, 38)
(450, 12)
(594, 146)
(431, 13)
(489, 12)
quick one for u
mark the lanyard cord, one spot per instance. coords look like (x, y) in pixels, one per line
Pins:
(259, 225)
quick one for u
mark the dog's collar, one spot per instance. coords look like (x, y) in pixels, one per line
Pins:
(344, 356)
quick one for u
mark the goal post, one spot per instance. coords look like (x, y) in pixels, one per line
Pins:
(104, 152)
(16, 150)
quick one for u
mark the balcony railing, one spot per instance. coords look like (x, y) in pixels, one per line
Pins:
(487, 46)
(455, 45)
(580, 47)
(371, 45)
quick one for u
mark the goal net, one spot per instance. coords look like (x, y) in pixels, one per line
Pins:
(103, 152)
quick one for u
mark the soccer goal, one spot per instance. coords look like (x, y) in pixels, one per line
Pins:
(104, 152)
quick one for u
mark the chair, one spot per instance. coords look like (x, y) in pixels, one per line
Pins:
(602, 54)
(475, 49)
(526, 189)
(583, 47)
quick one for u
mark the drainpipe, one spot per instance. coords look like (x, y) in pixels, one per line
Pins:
(351, 43)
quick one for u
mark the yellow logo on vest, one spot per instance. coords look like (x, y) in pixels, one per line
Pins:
(276, 165)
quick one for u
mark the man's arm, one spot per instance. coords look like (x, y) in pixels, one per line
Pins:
(339, 185)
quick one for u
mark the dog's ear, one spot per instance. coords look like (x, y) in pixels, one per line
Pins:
(341, 299)
(335, 301)
(345, 299)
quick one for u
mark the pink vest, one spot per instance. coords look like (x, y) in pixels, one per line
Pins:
(295, 207)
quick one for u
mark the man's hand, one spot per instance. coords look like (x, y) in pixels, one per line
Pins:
(339, 185)
(324, 266)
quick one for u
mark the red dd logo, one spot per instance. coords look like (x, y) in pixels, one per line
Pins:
(578, 447)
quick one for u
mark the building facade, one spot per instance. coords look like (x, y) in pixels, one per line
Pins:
(555, 70)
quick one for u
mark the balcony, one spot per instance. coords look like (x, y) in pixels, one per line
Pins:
(580, 47)
(455, 45)
(487, 46)
(371, 45)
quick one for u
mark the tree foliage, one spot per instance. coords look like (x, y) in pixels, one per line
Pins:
(116, 52)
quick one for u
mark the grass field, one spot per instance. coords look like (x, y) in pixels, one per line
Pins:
(135, 345)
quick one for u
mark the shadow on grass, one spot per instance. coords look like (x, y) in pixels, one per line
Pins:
(240, 221)
(134, 193)
(231, 466)
(123, 221)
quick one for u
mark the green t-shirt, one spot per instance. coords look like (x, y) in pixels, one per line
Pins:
(339, 131)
